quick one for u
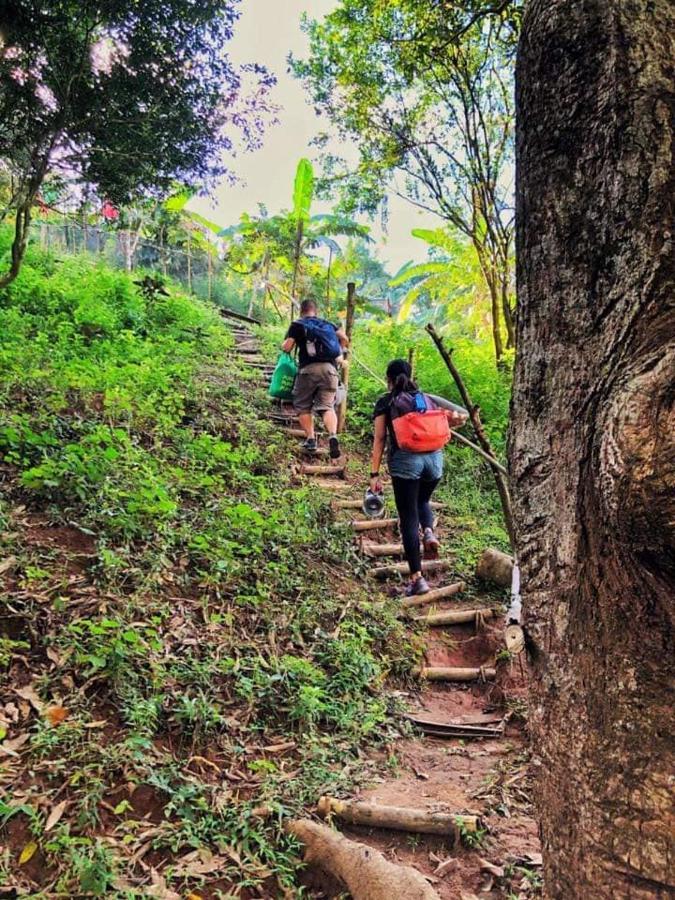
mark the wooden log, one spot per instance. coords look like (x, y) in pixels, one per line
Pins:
(355, 503)
(373, 524)
(428, 565)
(330, 484)
(320, 451)
(398, 818)
(245, 350)
(240, 317)
(370, 548)
(293, 432)
(455, 617)
(364, 871)
(495, 566)
(309, 469)
(448, 673)
(437, 594)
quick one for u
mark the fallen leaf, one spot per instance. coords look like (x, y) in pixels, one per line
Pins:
(30, 694)
(447, 866)
(53, 656)
(55, 815)
(7, 564)
(27, 853)
(10, 747)
(56, 714)
(497, 871)
(194, 897)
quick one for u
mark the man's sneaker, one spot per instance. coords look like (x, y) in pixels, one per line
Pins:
(431, 544)
(417, 587)
(309, 445)
(334, 447)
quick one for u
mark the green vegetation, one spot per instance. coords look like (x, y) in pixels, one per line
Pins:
(170, 612)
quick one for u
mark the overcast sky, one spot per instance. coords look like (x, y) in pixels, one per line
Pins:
(266, 32)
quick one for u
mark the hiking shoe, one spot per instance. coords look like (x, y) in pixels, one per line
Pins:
(309, 445)
(417, 587)
(431, 544)
(334, 447)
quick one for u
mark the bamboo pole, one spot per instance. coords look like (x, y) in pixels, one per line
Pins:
(446, 673)
(349, 328)
(373, 524)
(428, 565)
(454, 617)
(398, 818)
(474, 415)
(371, 548)
(439, 594)
(308, 469)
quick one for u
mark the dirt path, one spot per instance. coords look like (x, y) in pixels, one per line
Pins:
(486, 776)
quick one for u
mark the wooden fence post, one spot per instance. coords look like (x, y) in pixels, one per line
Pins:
(349, 327)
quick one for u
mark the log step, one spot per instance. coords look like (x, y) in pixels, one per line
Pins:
(293, 432)
(398, 818)
(463, 730)
(246, 351)
(309, 469)
(447, 673)
(330, 484)
(370, 548)
(310, 454)
(428, 565)
(455, 617)
(437, 594)
(372, 524)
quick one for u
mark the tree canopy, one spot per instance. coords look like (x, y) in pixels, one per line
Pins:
(128, 98)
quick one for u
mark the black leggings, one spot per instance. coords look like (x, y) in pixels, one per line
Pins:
(412, 498)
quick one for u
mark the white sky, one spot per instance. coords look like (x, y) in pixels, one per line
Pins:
(265, 33)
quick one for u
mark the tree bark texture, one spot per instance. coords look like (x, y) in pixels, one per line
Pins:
(592, 442)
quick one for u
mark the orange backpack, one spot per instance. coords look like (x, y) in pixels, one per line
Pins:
(419, 425)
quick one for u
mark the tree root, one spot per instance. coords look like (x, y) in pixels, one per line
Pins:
(366, 874)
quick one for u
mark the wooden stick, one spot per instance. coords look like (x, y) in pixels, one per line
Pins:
(293, 432)
(446, 673)
(348, 504)
(370, 548)
(308, 469)
(364, 871)
(474, 415)
(373, 524)
(349, 327)
(455, 617)
(428, 565)
(398, 818)
(433, 596)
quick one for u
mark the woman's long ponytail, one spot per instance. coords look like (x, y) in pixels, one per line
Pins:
(399, 375)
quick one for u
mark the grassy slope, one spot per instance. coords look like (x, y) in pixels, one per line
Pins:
(168, 606)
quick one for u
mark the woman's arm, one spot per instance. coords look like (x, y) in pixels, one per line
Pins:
(379, 440)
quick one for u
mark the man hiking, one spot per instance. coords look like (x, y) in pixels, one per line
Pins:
(320, 345)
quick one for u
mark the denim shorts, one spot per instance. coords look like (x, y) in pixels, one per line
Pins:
(420, 466)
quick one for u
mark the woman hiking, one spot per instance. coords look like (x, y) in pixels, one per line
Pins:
(417, 431)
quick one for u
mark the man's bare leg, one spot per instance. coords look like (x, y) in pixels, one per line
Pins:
(306, 420)
(330, 421)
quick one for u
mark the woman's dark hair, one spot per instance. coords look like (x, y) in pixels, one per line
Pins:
(399, 374)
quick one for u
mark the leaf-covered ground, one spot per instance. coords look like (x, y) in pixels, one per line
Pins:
(181, 663)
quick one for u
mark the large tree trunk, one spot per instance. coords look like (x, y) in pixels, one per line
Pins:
(592, 443)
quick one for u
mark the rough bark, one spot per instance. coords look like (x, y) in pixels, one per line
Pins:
(592, 452)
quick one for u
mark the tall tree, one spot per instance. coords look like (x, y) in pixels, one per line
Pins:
(130, 97)
(592, 442)
(425, 90)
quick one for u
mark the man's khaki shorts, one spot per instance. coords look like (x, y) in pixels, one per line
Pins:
(315, 387)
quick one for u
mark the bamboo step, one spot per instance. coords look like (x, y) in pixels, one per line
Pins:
(309, 469)
(447, 673)
(433, 596)
(455, 617)
(428, 565)
(373, 524)
(371, 548)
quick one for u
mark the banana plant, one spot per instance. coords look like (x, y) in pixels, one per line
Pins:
(448, 280)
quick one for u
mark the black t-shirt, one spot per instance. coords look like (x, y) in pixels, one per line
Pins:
(297, 332)
(383, 408)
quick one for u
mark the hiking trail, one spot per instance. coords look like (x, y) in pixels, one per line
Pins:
(467, 753)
